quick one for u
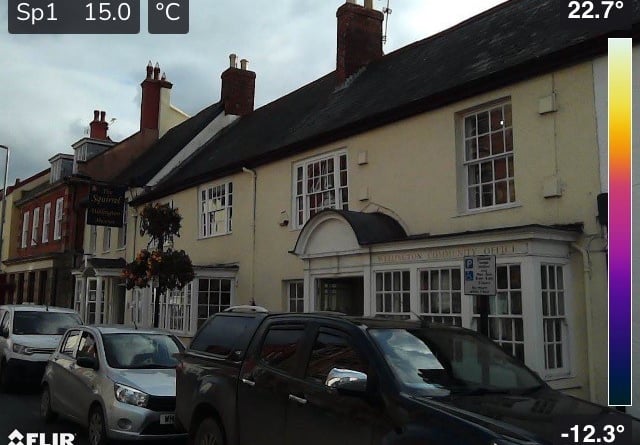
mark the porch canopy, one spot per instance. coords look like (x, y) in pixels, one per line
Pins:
(343, 231)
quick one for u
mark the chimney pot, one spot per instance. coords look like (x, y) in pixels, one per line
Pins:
(243, 64)
(368, 4)
(151, 91)
(164, 76)
(232, 60)
(98, 127)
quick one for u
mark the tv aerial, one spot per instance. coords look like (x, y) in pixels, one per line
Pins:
(386, 10)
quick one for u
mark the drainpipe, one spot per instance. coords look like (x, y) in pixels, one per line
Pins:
(253, 231)
(586, 272)
(135, 235)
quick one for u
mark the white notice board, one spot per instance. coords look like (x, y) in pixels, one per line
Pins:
(480, 275)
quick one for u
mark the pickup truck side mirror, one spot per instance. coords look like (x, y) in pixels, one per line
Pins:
(347, 381)
(5, 333)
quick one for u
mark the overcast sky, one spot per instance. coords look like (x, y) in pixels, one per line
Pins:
(50, 84)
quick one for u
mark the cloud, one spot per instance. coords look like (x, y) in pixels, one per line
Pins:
(53, 83)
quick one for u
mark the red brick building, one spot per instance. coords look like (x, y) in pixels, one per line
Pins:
(48, 228)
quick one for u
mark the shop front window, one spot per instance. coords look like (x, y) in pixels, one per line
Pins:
(441, 296)
(506, 326)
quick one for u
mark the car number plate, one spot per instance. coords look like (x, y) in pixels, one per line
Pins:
(166, 419)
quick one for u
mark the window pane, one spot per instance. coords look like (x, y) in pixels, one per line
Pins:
(483, 122)
(474, 174)
(487, 195)
(484, 146)
(501, 192)
(222, 335)
(496, 119)
(280, 347)
(470, 128)
(332, 351)
(471, 151)
(497, 143)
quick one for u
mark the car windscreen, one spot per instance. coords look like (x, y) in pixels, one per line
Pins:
(140, 350)
(43, 322)
(440, 361)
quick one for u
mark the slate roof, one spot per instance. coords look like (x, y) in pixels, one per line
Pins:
(510, 42)
(160, 153)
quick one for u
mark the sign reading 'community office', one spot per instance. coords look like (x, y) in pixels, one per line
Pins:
(106, 206)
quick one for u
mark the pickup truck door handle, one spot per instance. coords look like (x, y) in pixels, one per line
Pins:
(248, 382)
(297, 399)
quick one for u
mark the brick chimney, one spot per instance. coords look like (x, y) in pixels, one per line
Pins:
(359, 37)
(151, 87)
(238, 88)
(99, 126)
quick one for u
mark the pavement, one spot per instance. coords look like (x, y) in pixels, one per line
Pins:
(21, 410)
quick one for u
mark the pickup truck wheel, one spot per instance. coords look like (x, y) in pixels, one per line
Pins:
(209, 433)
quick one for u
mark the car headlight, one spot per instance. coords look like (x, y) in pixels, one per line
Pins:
(20, 349)
(131, 396)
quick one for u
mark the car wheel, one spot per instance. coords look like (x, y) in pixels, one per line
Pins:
(209, 433)
(5, 378)
(97, 427)
(45, 405)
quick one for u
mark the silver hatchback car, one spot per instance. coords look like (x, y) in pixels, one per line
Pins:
(117, 381)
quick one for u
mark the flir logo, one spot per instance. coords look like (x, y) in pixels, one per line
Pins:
(17, 438)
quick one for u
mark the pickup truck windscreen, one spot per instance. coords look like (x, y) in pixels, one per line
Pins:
(440, 362)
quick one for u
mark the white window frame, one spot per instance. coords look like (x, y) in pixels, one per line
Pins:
(295, 294)
(57, 226)
(93, 238)
(176, 309)
(106, 239)
(473, 166)
(404, 276)
(46, 222)
(300, 193)
(78, 299)
(563, 319)
(100, 301)
(122, 231)
(198, 291)
(444, 291)
(25, 229)
(207, 207)
(35, 226)
(532, 315)
(509, 317)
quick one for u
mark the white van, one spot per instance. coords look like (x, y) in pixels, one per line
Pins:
(28, 336)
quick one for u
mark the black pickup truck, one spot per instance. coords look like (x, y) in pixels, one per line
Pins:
(318, 379)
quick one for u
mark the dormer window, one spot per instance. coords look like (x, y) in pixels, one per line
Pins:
(61, 166)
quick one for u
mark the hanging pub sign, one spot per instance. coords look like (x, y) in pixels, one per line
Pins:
(106, 206)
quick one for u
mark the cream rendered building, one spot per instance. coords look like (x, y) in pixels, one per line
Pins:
(363, 191)
(99, 291)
